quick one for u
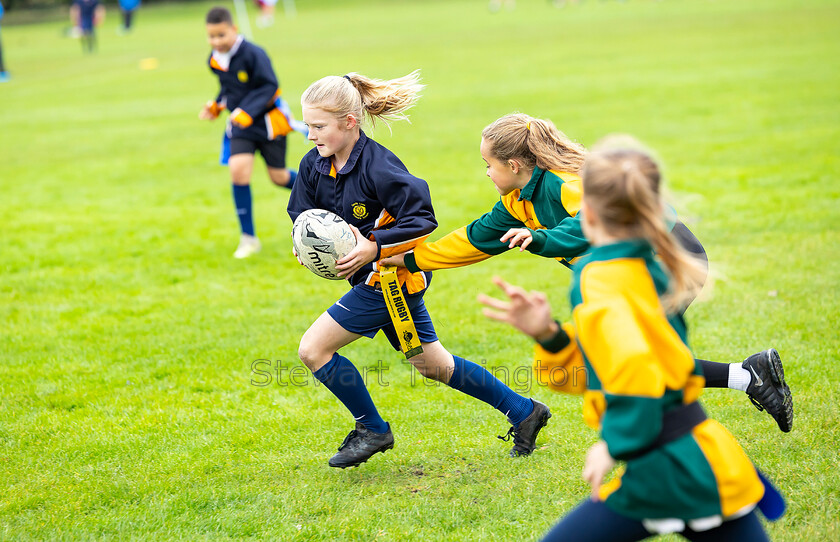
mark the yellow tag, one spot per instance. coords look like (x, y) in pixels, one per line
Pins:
(242, 76)
(398, 310)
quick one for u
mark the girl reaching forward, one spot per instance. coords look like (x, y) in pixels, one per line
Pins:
(536, 170)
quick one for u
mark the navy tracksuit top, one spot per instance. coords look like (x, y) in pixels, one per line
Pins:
(250, 84)
(374, 192)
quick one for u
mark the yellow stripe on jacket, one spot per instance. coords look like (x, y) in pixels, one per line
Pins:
(522, 210)
(643, 355)
(737, 481)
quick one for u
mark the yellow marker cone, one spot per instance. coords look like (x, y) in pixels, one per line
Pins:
(149, 64)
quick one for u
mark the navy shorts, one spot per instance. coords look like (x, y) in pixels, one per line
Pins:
(273, 151)
(363, 310)
(595, 521)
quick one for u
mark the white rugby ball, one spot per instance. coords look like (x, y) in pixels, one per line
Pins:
(321, 238)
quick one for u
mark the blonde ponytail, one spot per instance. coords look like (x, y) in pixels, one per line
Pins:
(357, 95)
(622, 187)
(536, 142)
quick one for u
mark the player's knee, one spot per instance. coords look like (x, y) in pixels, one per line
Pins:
(432, 371)
(280, 177)
(240, 172)
(308, 354)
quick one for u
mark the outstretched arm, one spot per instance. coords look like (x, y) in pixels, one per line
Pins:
(471, 244)
(558, 363)
(566, 240)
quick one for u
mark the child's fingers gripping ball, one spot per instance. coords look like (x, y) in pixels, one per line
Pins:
(320, 239)
(296, 256)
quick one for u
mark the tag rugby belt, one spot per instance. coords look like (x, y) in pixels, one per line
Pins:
(398, 310)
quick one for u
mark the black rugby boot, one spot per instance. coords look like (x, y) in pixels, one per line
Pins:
(525, 434)
(768, 390)
(359, 445)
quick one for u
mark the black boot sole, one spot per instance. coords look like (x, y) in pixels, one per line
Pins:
(357, 463)
(777, 376)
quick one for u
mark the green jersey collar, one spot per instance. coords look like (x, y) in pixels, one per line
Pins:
(527, 191)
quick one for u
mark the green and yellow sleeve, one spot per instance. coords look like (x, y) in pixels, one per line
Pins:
(561, 371)
(452, 250)
(566, 240)
(468, 245)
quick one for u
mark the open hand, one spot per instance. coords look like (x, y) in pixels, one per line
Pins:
(530, 313)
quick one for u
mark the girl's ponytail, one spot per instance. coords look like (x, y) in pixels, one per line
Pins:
(552, 149)
(536, 142)
(358, 95)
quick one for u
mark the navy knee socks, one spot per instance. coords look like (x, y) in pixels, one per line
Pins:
(342, 378)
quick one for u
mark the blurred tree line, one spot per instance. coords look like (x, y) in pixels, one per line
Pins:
(11, 5)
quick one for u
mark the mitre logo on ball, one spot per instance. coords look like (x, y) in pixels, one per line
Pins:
(321, 238)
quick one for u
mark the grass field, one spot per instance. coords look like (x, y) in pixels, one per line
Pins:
(127, 403)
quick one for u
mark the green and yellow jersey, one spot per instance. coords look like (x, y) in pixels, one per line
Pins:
(548, 205)
(638, 367)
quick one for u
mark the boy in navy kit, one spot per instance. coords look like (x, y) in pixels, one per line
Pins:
(259, 119)
(86, 15)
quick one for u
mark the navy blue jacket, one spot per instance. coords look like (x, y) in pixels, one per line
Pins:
(249, 83)
(374, 192)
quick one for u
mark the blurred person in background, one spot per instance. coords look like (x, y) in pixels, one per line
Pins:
(86, 16)
(266, 16)
(4, 75)
(127, 7)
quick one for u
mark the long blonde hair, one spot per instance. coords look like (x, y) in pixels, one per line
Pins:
(536, 142)
(357, 95)
(622, 187)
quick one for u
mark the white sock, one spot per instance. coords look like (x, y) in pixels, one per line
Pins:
(739, 378)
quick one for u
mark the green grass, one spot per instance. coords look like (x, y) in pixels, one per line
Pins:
(128, 332)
